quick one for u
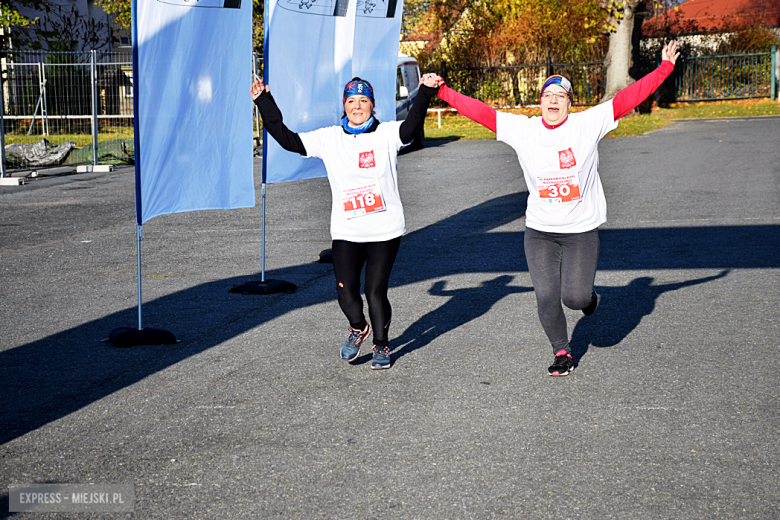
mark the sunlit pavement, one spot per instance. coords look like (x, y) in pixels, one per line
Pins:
(671, 413)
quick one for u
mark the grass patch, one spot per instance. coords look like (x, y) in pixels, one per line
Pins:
(81, 139)
(456, 127)
(464, 132)
(639, 124)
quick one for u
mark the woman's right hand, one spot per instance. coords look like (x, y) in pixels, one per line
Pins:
(258, 88)
(431, 80)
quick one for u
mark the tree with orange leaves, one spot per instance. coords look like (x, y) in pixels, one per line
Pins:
(480, 33)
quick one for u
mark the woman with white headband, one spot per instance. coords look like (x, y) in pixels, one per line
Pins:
(367, 218)
(558, 153)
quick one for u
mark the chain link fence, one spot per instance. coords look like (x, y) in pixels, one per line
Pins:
(71, 108)
(66, 108)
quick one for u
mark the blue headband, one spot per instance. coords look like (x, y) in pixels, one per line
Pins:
(358, 87)
(557, 80)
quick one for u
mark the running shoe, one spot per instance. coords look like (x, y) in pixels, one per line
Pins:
(381, 358)
(563, 364)
(594, 302)
(351, 348)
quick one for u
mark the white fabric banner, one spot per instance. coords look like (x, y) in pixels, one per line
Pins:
(312, 49)
(191, 78)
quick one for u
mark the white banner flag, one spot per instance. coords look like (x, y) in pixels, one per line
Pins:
(191, 78)
(313, 48)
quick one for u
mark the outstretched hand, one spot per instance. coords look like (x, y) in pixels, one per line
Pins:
(431, 80)
(669, 52)
(258, 88)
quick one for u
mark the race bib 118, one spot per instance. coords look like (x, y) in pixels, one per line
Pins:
(362, 201)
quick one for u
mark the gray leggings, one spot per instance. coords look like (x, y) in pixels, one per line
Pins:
(563, 269)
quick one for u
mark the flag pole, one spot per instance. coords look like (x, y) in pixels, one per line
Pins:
(139, 234)
(264, 286)
(128, 336)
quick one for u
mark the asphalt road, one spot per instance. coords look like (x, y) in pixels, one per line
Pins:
(671, 413)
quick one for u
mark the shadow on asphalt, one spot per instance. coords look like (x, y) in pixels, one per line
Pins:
(48, 379)
(428, 144)
(620, 311)
(461, 307)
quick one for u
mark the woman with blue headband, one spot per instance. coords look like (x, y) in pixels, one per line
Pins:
(558, 153)
(367, 218)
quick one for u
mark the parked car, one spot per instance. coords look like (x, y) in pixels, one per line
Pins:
(407, 81)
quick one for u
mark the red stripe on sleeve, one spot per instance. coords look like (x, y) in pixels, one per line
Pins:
(469, 107)
(630, 97)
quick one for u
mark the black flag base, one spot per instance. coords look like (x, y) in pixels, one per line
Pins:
(266, 287)
(326, 256)
(129, 337)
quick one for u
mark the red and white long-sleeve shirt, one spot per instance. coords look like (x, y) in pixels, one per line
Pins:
(561, 164)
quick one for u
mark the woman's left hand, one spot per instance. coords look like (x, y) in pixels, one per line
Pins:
(669, 52)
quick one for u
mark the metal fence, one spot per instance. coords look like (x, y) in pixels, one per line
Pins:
(701, 78)
(707, 78)
(520, 85)
(82, 103)
(68, 109)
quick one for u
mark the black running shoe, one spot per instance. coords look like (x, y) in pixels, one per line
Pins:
(563, 364)
(594, 302)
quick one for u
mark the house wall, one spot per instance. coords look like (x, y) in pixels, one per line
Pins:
(701, 44)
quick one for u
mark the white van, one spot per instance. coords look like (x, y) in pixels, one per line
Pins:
(407, 80)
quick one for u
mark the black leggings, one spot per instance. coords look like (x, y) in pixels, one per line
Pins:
(562, 268)
(348, 261)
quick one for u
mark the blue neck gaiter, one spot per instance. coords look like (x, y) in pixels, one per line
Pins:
(356, 129)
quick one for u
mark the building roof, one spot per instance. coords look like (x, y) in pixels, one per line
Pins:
(714, 15)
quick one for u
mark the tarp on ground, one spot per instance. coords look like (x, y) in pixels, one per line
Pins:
(117, 151)
(43, 154)
(37, 155)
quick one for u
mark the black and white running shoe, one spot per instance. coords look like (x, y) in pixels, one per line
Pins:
(563, 364)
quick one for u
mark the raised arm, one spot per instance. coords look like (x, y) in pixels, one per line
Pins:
(469, 107)
(630, 97)
(416, 118)
(272, 119)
